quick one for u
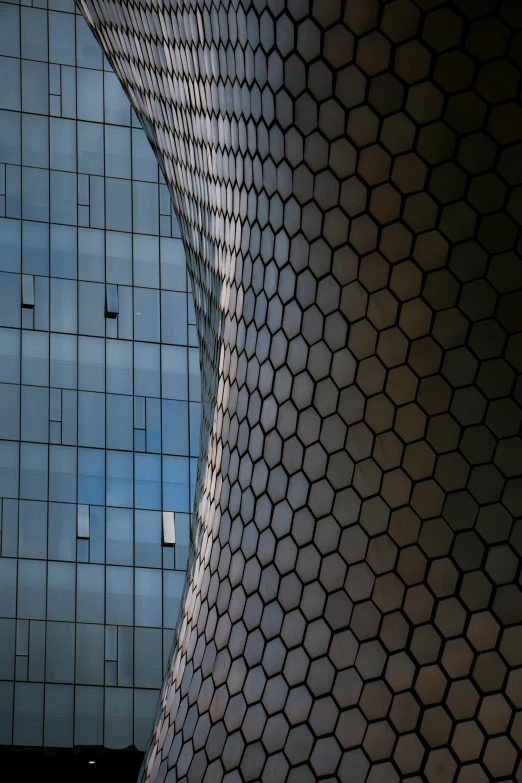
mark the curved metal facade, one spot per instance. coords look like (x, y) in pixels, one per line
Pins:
(347, 175)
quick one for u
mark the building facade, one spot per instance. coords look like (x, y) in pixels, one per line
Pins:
(99, 395)
(347, 176)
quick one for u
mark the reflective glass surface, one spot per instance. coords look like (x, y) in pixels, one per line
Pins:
(94, 410)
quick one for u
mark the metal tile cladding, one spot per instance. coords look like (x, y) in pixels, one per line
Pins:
(348, 180)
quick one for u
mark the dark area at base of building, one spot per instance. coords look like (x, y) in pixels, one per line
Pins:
(67, 765)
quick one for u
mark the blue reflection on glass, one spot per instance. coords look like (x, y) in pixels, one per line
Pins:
(119, 479)
(35, 248)
(62, 473)
(176, 483)
(120, 536)
(35, 194)
(148, 481)
(62, 531)
(91, 476)
(32, 529)
(64, 251)
(33, 471)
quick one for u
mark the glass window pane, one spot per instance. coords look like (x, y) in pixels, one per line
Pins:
(148, 657)
(148, 597)
(119, 258)
(8, 574)
(194, 375)
(148, 481)
(35, 194)
(9, 83)
(32, 529)
(118, 204)
(41, 303)
(118, 717)
(153, 425)
(32, 589)
(63, 144)
(61, 38)
(146, 370)
(34, 33)
(97, 535)
(173, 317)
(35, 140)
(37, 651)
(125, 656)
(88, 52)
(9, 469)
(119, 422)
(10, 242)
(63, 251)
(33, 471)
(69, 418)
(68, 91)
(148, 539)
(176, 483)
(119, 595)
(91, 371)
(91, 476)
(90, 95)
(63, 361)
(88, 715)
(90, 148)
(35, 87)
(35, 248)
(125, 317)
(146, 315)
(9, 30)
(144, 163)
(28, 715)
(9, 411)
(10, 136)
(62, 473)
(35, 414)
(193, 479)
(61, 591)
(91, 593)
(13, 190)
(59, 714)
(145, 702)
(173, 584)
(59, 657)
(117, 151)
(119, 479)
(146, 261)
(10, 528)
(120, 536)
(90, 654)
(35, 358)
(119, 366)
(7, 648)
(117, 107)
(62, 531)
(63, 197)
(63, 305)
(145, 207)
(175, 427)
(91, 254)
(92, 308)
(195, 425)
(9, 355)
(174, 369)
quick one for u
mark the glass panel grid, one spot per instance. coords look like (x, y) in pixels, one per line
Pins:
(91, 260)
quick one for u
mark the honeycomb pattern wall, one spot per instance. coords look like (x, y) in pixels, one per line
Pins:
(348, 178)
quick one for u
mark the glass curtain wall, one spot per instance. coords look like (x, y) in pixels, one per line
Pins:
(99, 395)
